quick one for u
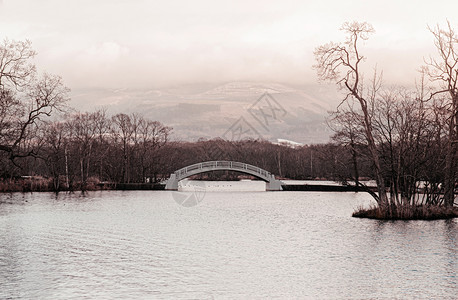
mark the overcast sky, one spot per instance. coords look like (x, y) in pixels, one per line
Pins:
(146, 44)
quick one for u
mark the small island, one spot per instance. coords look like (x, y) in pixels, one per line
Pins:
(408, 212)
(410, 137)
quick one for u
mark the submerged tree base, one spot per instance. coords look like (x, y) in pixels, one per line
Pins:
(407, 212)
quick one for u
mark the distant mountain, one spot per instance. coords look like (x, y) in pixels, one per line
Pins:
(233, 110)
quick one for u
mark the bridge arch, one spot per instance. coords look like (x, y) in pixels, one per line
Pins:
(272, 184)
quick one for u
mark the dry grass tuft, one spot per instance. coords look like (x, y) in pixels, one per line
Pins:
(407, 212)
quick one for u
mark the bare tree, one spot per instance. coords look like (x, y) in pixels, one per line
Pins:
(348, 132)
(16, 70)
(153, 136)
(83, 130)
(54, 153)
(25, 97)
(103, 127)
(122, 130)
(444, 71)
(342, 63)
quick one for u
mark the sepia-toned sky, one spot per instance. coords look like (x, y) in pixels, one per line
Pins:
(144, 44)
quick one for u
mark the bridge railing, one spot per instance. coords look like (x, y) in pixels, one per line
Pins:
(222, 164)
(192, 167)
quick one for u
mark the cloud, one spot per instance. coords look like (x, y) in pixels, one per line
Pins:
(105, 52)
(170, 42)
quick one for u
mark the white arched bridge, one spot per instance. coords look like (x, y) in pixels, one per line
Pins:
(272, 184)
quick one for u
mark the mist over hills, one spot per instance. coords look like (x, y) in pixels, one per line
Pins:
(232, 110)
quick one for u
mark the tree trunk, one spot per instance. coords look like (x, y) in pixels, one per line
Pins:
(381, 188)
(66, 168)
(355, 163)
(450, 163)
(83, 181)
(450, 175)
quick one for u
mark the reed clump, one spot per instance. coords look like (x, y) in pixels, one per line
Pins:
(25, 184)
(407, 212)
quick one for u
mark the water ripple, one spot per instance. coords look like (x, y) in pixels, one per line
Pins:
(117, 245)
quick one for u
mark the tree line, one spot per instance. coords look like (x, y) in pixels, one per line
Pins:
(83, 149)
(86, 149)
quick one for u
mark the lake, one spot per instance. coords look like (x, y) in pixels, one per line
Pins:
(232, 244)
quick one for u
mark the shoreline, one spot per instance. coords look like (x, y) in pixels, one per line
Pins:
(403, 213)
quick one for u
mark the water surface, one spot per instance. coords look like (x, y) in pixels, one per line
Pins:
(142, 244)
